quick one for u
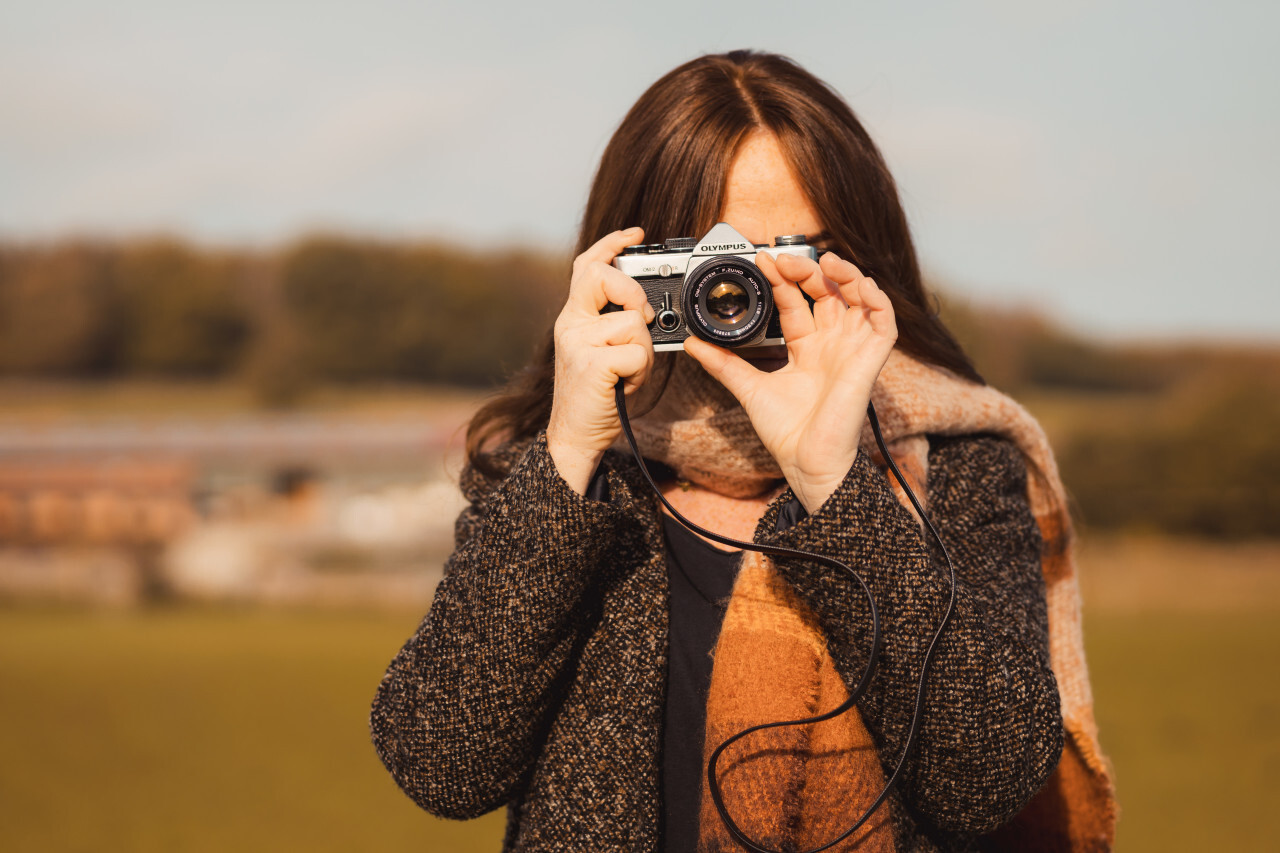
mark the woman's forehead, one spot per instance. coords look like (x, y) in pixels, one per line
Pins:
(762, 197)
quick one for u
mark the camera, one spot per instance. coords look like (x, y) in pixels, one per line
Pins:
(710, 288)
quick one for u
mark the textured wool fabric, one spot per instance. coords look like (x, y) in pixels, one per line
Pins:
(536, 680)
(770, 662)
(698, 428)
(706, 437)
(795, 787)
(1077, 809)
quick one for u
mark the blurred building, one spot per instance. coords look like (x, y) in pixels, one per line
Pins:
(286, 510)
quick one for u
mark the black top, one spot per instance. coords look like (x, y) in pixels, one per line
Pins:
(701, 578)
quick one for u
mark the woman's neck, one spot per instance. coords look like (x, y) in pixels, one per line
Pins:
(736, 518)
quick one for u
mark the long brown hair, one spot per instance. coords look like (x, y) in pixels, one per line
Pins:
(665, 170)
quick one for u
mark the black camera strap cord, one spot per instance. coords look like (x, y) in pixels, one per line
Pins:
(872, 658)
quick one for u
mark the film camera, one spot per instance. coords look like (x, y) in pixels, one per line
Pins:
(709, 287)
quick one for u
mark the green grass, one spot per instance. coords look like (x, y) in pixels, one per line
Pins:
(210, 730)
(1189, 711)
(203, 730)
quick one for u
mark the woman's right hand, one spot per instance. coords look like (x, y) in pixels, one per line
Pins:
(594, 351)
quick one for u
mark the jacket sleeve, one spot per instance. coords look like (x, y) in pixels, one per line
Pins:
(991, 732)
(457, 719)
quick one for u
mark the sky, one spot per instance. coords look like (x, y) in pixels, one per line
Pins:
(1111, 164)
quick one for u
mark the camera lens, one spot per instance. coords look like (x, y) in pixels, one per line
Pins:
(727, 301)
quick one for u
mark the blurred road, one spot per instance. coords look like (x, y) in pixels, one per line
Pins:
(267, 437)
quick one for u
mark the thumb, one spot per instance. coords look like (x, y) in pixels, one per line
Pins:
(730, 370)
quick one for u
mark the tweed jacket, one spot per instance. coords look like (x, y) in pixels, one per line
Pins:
(536, 681)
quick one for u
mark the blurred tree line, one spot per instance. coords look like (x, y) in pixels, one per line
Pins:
(1161, 438)
(1158, 438)
(326, 309)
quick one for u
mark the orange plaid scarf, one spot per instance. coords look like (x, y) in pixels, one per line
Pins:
(771, 660)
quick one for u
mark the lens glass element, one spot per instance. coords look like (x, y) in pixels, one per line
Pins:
(728, 302)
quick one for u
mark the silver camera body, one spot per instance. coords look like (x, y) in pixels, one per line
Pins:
(710, 288)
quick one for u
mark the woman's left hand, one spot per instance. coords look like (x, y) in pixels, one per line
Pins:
(809, 414)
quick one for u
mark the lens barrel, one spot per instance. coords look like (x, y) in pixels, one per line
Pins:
(727, 301)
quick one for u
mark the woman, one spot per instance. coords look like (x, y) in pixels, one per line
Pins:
(584, 655)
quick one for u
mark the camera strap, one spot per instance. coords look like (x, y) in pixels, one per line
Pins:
(872, 659)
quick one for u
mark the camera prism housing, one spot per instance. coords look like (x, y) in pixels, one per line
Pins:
(710, 288)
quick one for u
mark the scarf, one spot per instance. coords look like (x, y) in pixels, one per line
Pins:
(769, 636)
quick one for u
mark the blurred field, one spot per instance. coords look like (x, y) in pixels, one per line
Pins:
(202, 730)
(1189, 712)
(208, 729)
